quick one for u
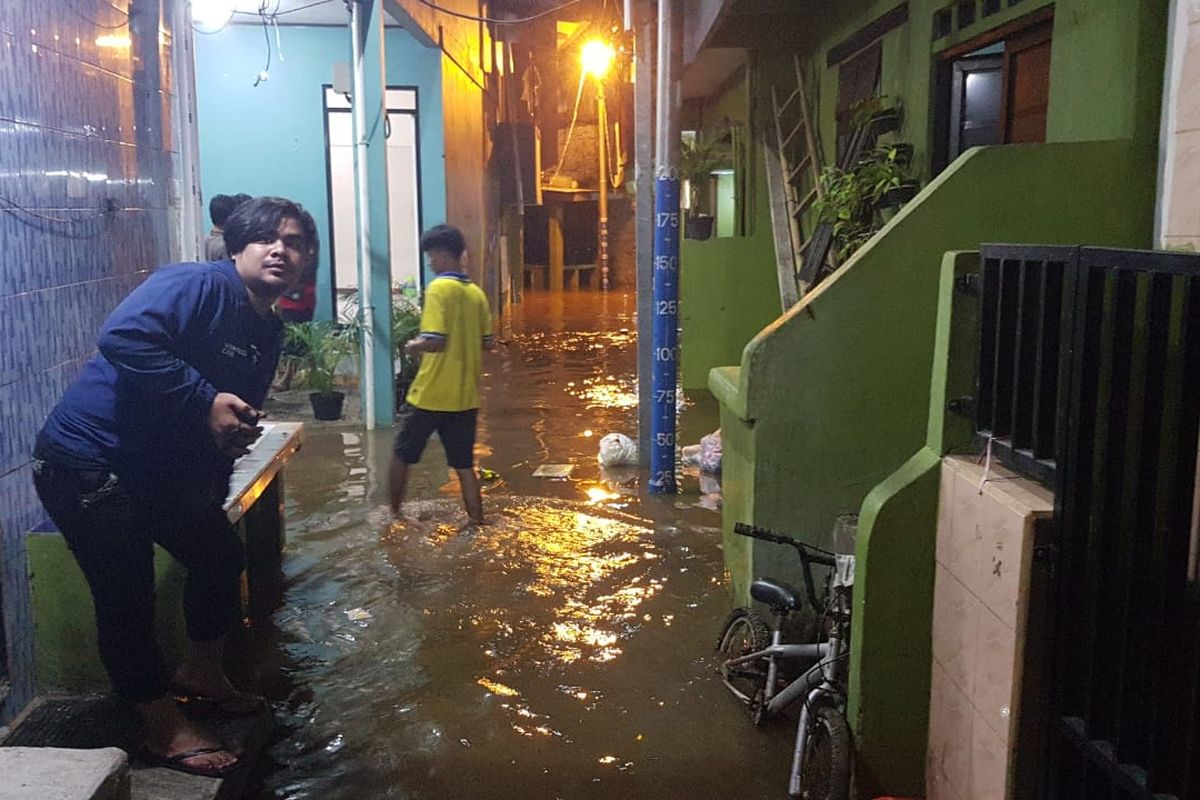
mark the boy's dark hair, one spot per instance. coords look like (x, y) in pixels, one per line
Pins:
(446, 238)
(309, 226)
(258, 219)
(220, 207)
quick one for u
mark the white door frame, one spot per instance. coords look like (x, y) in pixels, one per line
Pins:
(402, 100)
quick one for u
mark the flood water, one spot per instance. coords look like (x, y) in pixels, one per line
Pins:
(564, 651)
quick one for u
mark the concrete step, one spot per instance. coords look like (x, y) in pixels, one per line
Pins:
(103, 723)
(59, 773)
(156, 783)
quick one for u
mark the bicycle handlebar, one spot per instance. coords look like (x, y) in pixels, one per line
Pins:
(814, 554)
(809, 555)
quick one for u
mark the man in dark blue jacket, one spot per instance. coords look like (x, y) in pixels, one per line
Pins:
(140, 449)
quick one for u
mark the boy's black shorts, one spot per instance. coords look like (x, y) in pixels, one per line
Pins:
(456, 429)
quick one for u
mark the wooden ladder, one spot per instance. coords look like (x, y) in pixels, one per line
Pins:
(794, 165)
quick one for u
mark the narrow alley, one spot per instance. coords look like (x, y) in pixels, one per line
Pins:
(922, 275)
(565, 650)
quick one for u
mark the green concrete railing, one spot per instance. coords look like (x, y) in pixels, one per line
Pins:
(833, 401)
(66, 654)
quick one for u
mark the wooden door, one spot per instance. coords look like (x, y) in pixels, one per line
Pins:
(1027, 85)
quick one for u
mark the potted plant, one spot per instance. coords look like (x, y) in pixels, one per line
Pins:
(406, 323)
(321, 347)
(852, 197)
(698, 158)
(880, 114)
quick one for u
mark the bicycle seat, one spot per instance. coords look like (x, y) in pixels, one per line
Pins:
(779, 596)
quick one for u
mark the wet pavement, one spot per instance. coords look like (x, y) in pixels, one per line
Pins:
(564, 651)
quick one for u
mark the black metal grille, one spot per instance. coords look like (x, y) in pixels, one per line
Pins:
(1114, 420)
(1022, 319)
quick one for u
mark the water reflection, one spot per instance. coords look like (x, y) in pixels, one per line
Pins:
(561, 652)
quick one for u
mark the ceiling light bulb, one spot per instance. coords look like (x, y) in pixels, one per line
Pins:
(212, 13)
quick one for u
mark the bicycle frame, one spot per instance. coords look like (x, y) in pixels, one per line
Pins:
(775, 702)
(821, 684)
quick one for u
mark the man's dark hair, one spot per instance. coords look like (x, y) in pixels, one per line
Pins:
(258, 219)
(220, 207)
(444, 237)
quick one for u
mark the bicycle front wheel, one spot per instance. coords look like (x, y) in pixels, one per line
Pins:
(745, 632)
(825, 769)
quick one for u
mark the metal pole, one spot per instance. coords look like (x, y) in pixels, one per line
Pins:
(601, 140)
(365, 295)
(666, 251)
(643, 145)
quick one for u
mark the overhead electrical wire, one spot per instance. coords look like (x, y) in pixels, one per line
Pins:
(266, 23)
(497, 20)
(288, 11)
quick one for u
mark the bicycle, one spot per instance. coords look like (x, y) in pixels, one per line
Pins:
(752, 651)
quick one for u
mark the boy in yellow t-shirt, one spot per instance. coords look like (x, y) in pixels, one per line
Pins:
(456, 327)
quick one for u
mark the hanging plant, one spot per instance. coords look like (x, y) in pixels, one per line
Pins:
(852, 198)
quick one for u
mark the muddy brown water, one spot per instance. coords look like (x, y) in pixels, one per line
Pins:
(564, 651)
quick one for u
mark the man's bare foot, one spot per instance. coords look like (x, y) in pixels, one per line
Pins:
(170, 734)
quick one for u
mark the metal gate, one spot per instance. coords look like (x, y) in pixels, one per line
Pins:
(1090, 379)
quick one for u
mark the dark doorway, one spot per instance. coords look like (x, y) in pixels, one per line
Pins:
(995, 90)
(977, 92)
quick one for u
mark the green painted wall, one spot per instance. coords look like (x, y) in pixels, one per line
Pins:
(1106, 76)
(1107, 65)
(893, 611)
(838, 388)
(833, 397)
(831, 409)
(66, 657)
(728, 289)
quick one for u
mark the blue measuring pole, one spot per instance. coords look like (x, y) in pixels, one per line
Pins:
(665, 333)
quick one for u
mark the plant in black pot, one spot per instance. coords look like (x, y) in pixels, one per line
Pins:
(699, 157)
(321, 347)
(853, 197)
(406, 323)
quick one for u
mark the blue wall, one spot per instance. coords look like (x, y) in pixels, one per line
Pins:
(69, 104)
(271, 139)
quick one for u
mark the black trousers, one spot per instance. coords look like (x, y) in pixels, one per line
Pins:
(110, 524)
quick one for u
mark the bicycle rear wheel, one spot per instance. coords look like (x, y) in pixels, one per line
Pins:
(825, 769)
(744, 632)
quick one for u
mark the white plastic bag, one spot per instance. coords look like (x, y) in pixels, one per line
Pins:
(617, 449)
(710, 453)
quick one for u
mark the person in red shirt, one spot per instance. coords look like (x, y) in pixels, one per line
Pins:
(297, 305)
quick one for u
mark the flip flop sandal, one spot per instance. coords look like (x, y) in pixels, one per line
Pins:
(232, 707)
(178, 762)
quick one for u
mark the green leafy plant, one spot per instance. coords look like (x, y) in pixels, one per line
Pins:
(852, 197)
(406, 323)
(320, 347)
(698, 157)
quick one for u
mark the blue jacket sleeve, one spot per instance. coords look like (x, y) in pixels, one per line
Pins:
(146, 334)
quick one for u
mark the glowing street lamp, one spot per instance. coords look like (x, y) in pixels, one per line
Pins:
(597, 58)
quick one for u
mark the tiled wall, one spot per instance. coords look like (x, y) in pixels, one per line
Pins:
(1179, 206)
(981, 598)
(88, 165)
